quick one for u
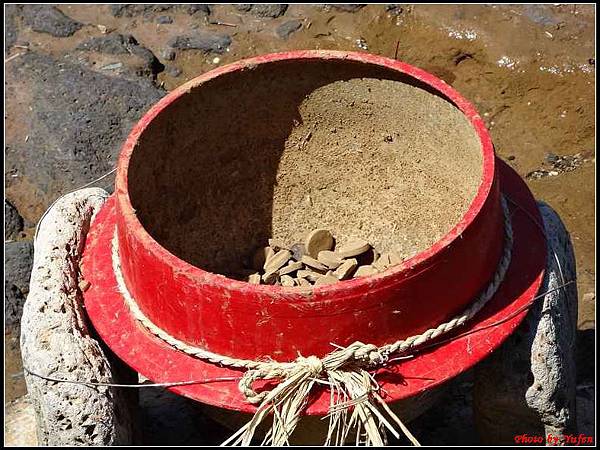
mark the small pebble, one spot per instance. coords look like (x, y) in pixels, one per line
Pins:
(277, 261)
(313, 263)
(280, 264)
(353, 248)
(291, 267)
(302, 282)
(383, 262)
(330, 259)
(346, 268)
(163, 20)
(309, 275)
(395, 258)
(269, 253)
(270, 277)
(364, 271)
(287, 281)
(326, 279)
(318, 240)
(298, 250)
(254, 278)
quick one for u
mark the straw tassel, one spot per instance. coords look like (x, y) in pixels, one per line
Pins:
(355, 404)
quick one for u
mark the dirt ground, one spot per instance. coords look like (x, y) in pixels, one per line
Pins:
(528, 69)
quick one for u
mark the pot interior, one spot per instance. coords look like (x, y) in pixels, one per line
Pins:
(282, 148)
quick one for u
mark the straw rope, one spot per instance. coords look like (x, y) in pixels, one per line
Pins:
(344, 370)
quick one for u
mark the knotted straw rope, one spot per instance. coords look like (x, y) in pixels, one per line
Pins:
(344, 370)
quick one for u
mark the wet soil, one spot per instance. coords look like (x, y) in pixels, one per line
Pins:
(528, 69)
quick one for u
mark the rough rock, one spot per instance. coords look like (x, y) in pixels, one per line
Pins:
(133, 10)
(262, 10)
(198, 7)
(318, 240)
(13, 222)
(528, 384)
(76, 120)
(49, 19)
(207, 42)
(285, 29)
(144, 63)
(18, 260)
(347, 8)
(544, 15)
(163, 20)
(394, 9)
(56, 341)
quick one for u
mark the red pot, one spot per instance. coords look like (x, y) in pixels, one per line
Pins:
(246, 321)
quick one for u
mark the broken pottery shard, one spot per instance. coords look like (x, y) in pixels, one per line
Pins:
(318, 240)
(298, 250)
(287, 281)
(277, 261)
(309, 275)
(291, 267)
(326, 279)
(313, 263)
(346, 268)
(364, 271)
(383, 262)
(330, 259)
(254, 278)
(353, 248)
(277, 245)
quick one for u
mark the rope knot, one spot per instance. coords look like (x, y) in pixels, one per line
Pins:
(313, 364)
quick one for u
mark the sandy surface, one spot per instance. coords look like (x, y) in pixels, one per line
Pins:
(305, 147)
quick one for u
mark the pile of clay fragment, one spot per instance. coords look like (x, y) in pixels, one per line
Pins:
(317, 261)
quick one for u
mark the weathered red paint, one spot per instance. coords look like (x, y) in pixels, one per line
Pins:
(247, 321)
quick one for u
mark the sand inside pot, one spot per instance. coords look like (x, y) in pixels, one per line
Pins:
(282, 149)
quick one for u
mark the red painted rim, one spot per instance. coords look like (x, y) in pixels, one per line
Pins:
(135, 227)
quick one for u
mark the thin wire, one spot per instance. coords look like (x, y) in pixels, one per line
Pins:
(225, 379)
(222, 379)
(37, 226)
(493, 324)
(136, 386)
